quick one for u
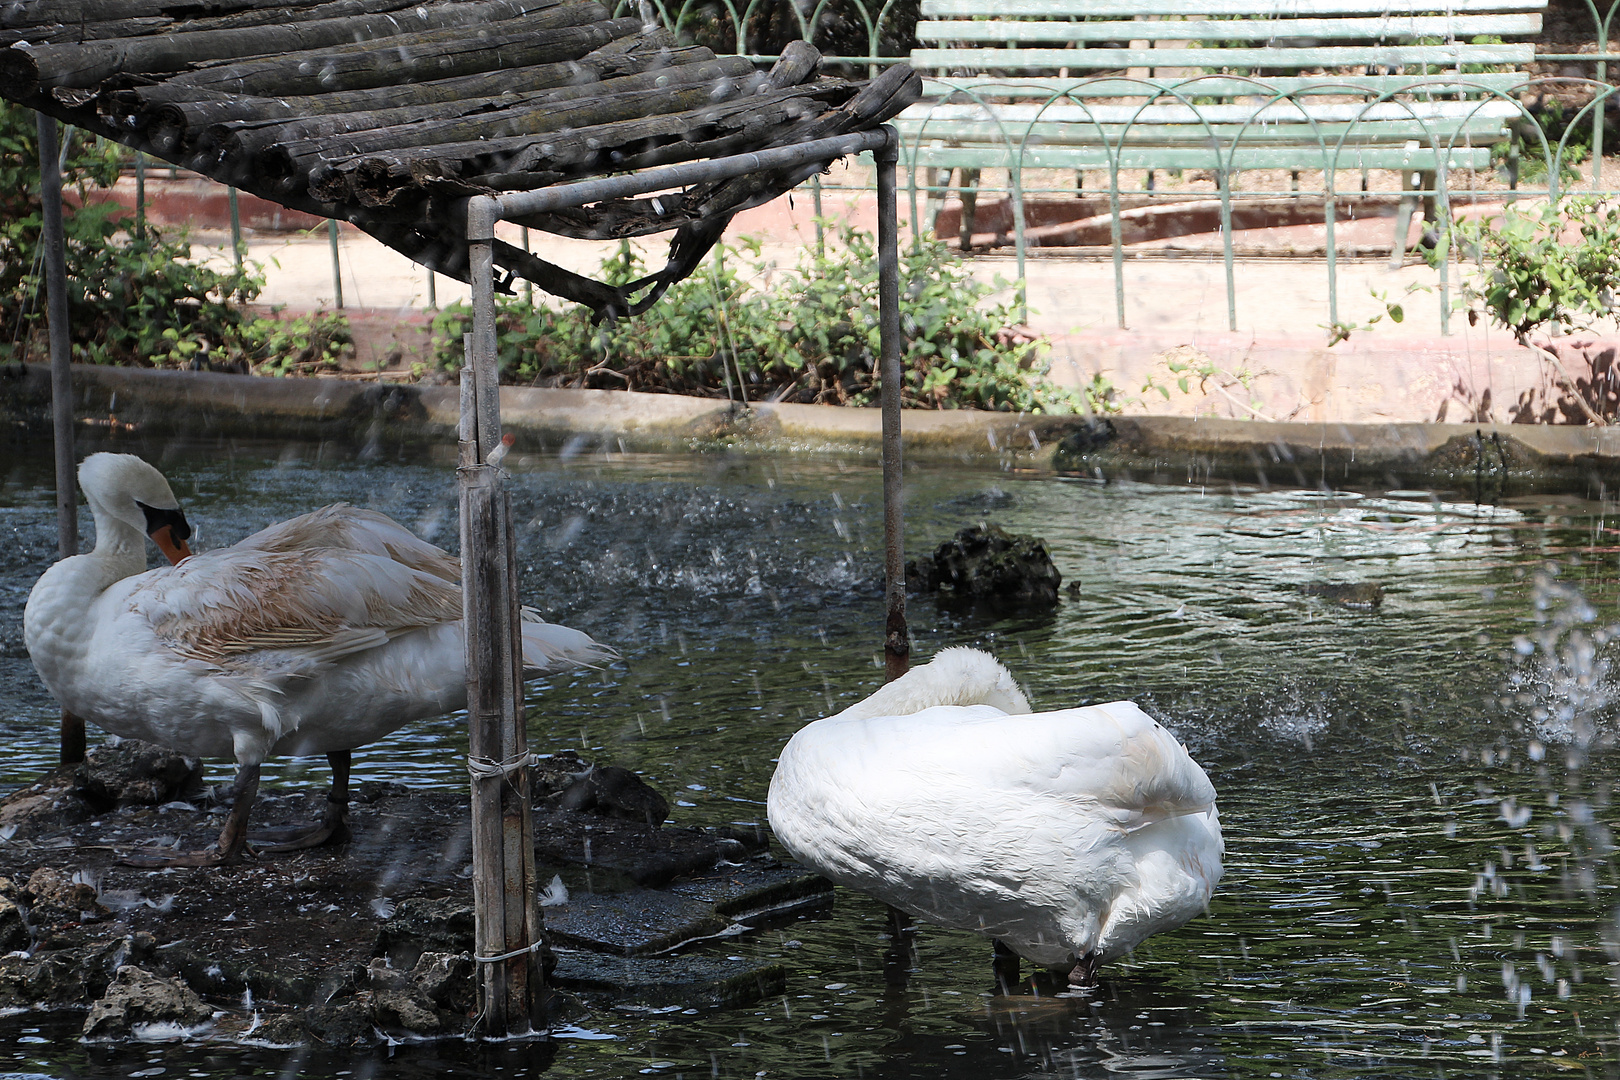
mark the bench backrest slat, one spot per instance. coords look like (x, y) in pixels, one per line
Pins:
(1380, 29)
(1441, 56)
(1264, 9)
(1042, 88)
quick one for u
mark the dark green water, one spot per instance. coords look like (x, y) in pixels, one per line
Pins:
(1420, 879)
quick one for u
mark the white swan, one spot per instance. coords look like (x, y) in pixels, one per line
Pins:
(1067, 836)
(316, 635)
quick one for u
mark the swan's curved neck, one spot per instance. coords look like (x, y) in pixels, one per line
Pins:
(120, 547)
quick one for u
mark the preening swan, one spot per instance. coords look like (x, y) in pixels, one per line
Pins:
(314, 636)
(1067, 836)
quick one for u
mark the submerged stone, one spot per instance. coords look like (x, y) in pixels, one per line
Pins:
(646, 856)
(137, 997)
(1358, 595)
(687, 981)
(758, 891)
(635, 923)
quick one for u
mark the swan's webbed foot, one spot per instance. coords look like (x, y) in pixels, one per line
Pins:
(232, 836)
(1084, 973)
(334, 824)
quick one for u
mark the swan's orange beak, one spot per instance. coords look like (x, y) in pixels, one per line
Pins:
(169, 530)
(172, 547)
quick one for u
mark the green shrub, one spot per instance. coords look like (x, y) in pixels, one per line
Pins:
(805, 335)
(133, 300)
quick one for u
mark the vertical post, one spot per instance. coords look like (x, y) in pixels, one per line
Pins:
(896, 638)
(236, 233)
(528, 286)
(337, 269)
(56, 307)
(433, 291)
(140, 197)
(508, 934)
(821, 236)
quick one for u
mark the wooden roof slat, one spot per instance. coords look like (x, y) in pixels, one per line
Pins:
(564, 32)
(26, 69)
(391, 131)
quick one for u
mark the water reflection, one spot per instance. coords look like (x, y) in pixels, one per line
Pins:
(1417, 798)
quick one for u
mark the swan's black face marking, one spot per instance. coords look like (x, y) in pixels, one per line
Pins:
(175, 519)
(169, 530)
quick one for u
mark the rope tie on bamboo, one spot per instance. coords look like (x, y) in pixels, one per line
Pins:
(510, 955)
(483, 768)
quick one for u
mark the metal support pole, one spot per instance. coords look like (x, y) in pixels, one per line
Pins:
(56, 308)
(337, 269)
(896, 638)
(140, 197)
(236, 233)
(512, 989)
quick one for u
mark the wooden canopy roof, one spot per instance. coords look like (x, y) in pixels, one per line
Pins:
(387, 113)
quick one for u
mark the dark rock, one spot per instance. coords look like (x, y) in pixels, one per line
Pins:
(349, 1024)
(635, 923)
(134, 773)
(985, 563)
(70, 976)
(54, 899)
(1093, 435)
(426, 926)
(448, 980)
(50, 804)
(227, 977)
(284, 1030)
(380, 977)
(138, 997)
(688, 981)
(405, 1011)
(13, 931)
(615, 792)
(645, 857)
(1358, 595)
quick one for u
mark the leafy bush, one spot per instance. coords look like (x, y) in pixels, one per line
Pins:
(1535, 276)
(131, 299)
(806, 335)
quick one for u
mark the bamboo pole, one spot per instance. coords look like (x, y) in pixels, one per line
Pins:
(508, 932)
(56, 307)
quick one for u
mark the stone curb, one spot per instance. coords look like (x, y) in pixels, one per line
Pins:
(1495, 459)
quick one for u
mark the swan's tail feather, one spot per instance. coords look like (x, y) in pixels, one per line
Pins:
(550, 647)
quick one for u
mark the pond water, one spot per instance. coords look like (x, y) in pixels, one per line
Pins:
(1416, 799)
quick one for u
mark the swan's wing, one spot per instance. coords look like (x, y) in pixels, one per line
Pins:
(348, 528)
(317, 604)
(1113, 759)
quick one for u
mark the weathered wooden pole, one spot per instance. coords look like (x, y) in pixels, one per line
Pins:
(511, 980)
(896, 637)
(56, 312)
(508, 935)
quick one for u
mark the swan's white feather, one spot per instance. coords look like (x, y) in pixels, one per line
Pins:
(1060, 833)
(318, 634)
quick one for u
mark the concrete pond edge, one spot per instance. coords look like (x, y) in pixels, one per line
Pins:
(1489, 461)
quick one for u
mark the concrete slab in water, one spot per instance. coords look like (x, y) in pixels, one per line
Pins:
(688, 981)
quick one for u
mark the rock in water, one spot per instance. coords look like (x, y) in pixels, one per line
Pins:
(1357, 595)
(138, 997)
(985, 563)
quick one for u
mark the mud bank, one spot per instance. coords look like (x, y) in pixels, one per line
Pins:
(357, 944)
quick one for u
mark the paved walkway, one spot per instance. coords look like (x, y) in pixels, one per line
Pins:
(1276, 365)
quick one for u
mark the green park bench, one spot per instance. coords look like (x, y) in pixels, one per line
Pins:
(1218, 85)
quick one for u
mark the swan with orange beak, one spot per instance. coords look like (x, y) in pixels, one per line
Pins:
(315, 636)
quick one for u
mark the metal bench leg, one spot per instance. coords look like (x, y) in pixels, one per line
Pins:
(969, 190)
(1403, 220)
(933, 199)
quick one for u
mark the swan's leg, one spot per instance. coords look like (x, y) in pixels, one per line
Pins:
(334, 825)
(1005, 964)
(1085, 971)
(900, 956)
(232, 836)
